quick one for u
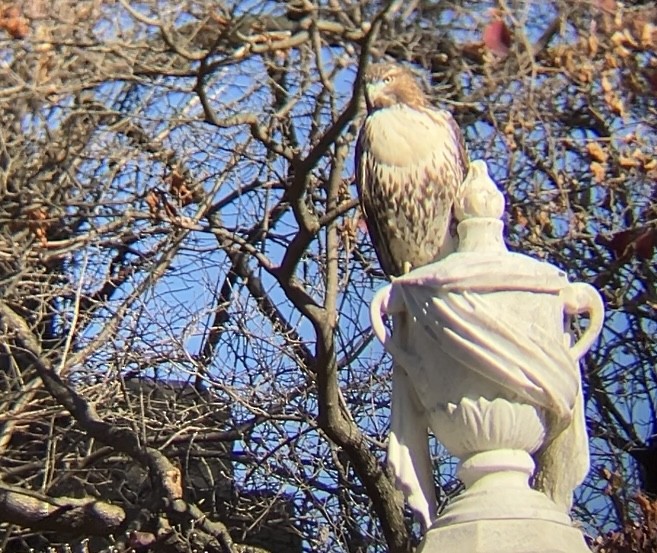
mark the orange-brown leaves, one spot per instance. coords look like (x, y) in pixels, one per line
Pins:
(648, 36)
(38, 224)
(537, 222)
(13, 22)
(618, 159)
(348, 231)
(159, 203)
(596, 152)
(599, 164)
(615, 60)
(636, 158)
(599, 171)
(179, 189)
(36, 220)
(593, 43)
(153, 203)
(610, 94)
(614, 481)
(519, 217)
(634, 536)
(615, 104)
(627, 162)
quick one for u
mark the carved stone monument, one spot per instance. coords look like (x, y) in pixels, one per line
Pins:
(484, 358)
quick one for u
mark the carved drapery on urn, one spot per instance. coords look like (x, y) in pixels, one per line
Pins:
(488, 365)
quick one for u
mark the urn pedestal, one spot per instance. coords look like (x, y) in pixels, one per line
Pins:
(504, 536)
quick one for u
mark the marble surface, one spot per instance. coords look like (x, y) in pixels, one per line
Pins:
(484, 359)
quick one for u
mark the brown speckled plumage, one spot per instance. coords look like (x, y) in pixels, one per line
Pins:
(410, 160)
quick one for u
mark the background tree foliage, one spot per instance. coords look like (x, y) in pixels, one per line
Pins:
(186, 362)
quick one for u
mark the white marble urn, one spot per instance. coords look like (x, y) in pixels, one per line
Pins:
(484, 358)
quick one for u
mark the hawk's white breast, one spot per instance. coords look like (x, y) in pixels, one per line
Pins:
(404, 136)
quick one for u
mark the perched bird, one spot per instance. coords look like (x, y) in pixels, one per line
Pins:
(410, 161)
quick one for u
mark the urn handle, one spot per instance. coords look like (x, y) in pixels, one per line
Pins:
(377, 307)
(579, 297)
(386, 301)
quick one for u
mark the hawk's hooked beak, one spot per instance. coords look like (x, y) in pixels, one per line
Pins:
(372, 93)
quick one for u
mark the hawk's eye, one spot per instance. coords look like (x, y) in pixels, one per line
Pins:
(387, 79)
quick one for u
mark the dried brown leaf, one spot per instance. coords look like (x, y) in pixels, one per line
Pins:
(648, 36)
(520, 217)
(627, 162)
(153, 202)
(585, 74)
(615, 104)
(39, 224)
(12, 21)
(569, 63)
(544, 220)
(618, 38)
(611, 62)
(598, 170)
(650, 165)
(179, 189)
(596, 152)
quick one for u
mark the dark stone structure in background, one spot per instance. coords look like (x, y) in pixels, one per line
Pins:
(165, 412)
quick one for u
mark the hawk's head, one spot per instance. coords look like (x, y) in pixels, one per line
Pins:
(387, 84)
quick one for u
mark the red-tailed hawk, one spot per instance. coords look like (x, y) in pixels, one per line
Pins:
(410, 160)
